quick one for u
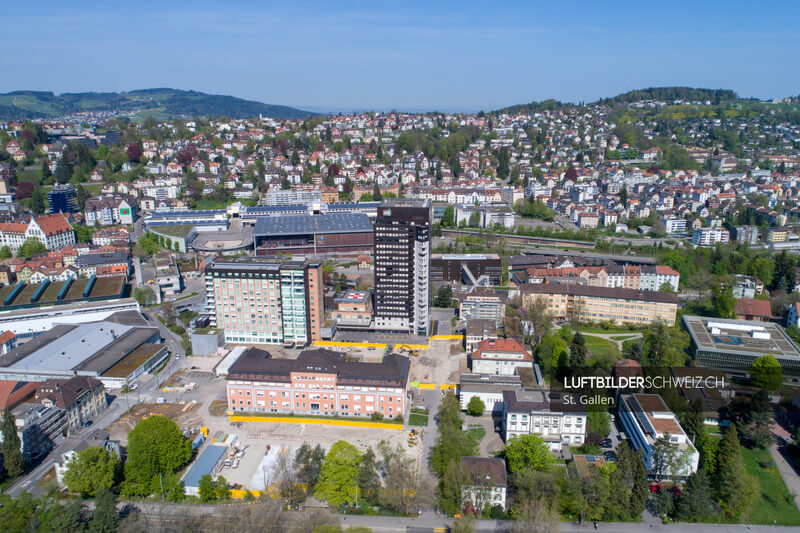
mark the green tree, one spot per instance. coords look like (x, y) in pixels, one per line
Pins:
(30, 247)
(207, 489)
(629, 489)
(528, 451)
(664, 346)
(105, 518)
(5, 253)
(444, 297)
(452, 443)
(451, 488)
(11, 446)
(93, 469)
(475, 406)
(766, 373)
(369, 482)
(696, 502)
(63, 171)
(731, 481)
(338, 479)
(221, 488)
(599, 423)
(474, 219)
(144, 295)
(783, 277)
(664, 456)
(156, 447)
(667, 287)
(724, 302)
(577, 352)
(449, 217)
(308, 462)
(38, 201)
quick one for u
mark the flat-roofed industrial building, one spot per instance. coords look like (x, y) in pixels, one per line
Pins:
(732, 345)
(116, 353)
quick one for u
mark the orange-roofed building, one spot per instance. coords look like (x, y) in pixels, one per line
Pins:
(500, 356)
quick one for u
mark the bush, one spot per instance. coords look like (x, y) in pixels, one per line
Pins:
(475, 407)
(376, 417)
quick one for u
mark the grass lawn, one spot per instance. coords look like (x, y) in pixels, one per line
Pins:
(602, 348)
(93, 188)
(209, 204)
(477, 432)
(31, 175)
(415, 419)
(776, 504)
(627, 346)
(181, 230)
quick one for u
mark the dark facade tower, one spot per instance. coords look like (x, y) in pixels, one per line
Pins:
(62, 199)
(402, 266)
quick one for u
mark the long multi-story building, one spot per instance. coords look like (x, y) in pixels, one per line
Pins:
(53, 230)
(265, 301)
(710, 236)
(598, 304)
(640, 277)
(319, 382)
(402, 265)
(646, 418)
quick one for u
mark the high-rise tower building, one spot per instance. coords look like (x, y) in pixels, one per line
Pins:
(265, 301)
(402, 265)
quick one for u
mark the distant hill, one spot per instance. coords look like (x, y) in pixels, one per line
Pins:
(653, 93)
(162, 103)
(715, 96)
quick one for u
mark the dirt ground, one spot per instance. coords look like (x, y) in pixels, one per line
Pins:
(441, 363)
(187, 414)
(258, 466)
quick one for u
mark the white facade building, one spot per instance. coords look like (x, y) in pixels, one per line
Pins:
(646, 418)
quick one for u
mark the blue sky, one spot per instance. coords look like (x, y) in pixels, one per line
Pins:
(405, 55)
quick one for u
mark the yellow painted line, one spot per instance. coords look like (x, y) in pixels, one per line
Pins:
(320, 421)
(447, 337)
(350, 344)
(427, 386)
(447, 386)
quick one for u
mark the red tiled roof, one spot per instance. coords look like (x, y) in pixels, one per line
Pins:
(53, 224)
(751, 307)
(12, 393)
(500, 345)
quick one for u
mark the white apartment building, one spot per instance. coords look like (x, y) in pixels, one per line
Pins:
(533, 412)
(710, 236)
(647, 418)
(674, 225)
